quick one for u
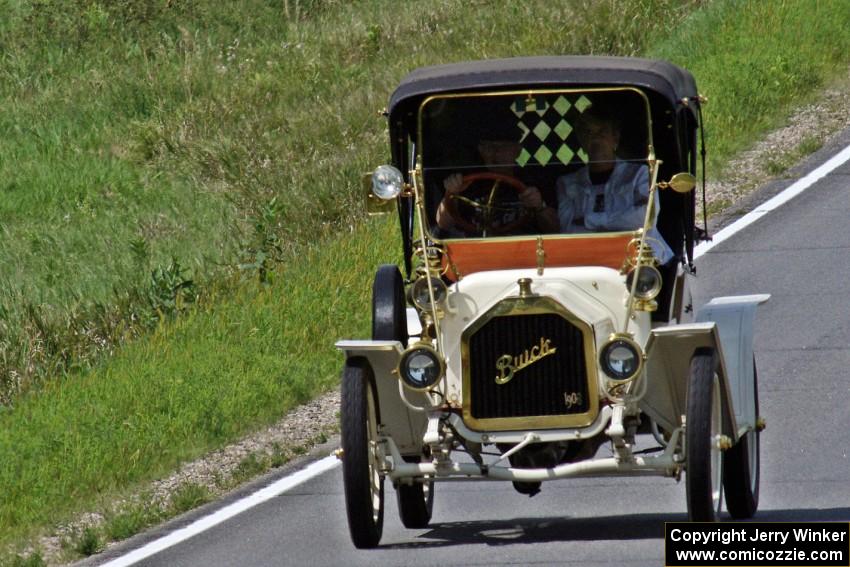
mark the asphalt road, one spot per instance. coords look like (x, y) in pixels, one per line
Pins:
(801, 255)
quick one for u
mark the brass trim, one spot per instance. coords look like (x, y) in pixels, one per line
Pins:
(528, 94)
(515, 363)
(646, 305)
(531, 305)
(645, 255)
(656, 289)
(421, 346)
(680, 183)
(624, 337)
(429, 331)
(525, 287)
(545, 237)
(439, 305)
(645, 302)
(541, 256)
(374, 205)
(419, 206)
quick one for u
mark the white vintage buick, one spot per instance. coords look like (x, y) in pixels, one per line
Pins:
(547, 212)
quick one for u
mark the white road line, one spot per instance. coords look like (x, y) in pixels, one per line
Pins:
(792, 191)
(275, 489)
(324, 465)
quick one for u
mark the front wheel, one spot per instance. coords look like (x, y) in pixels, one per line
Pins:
(704, 487)
(363, 483)
(742, 468)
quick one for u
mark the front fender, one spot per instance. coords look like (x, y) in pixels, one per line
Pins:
(668, 359)
(404, 425)
(724, 324)
(735, 317)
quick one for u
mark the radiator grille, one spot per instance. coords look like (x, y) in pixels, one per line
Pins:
(555, 390)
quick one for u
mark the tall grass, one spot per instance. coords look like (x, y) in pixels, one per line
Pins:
(757, 61)
(142, 131)
(153, 152)
(186, 174)
(227, 367)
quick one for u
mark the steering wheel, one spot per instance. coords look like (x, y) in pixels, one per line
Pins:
(489, 224)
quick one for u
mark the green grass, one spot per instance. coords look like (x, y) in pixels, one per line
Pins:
(781, 161)
(130, 520)
(189, 496)
(250, 467)
(193, 385)
(88, 542)
(29, 560)
(756, 62)
(141, 132)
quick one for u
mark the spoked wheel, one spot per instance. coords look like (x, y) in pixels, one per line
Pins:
(742, 468)
(704, 487)
(415, 503)
(364, 485)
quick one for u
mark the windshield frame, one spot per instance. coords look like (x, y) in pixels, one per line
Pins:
(528, 93)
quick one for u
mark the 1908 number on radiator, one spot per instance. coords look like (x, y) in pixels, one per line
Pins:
(572, 399)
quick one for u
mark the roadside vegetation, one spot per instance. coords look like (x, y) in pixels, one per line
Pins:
(757, 62)
(182, 231)
(152, 149)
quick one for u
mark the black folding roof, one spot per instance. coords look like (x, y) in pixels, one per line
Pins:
(669, 81)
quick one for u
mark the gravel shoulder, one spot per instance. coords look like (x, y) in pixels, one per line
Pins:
(771, 158)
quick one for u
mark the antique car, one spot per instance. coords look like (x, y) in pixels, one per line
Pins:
(547, 211)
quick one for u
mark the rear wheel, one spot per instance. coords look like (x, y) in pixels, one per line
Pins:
(415, 503)
(704, 487)
(741, 469)
(363, 483)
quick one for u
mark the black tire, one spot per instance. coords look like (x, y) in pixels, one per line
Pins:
(389, 316)
(389, 322)
(703, 486)
(415, 503)
(364, 487)
(742, 468)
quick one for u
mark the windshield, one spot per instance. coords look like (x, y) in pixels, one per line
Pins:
(540, 162)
